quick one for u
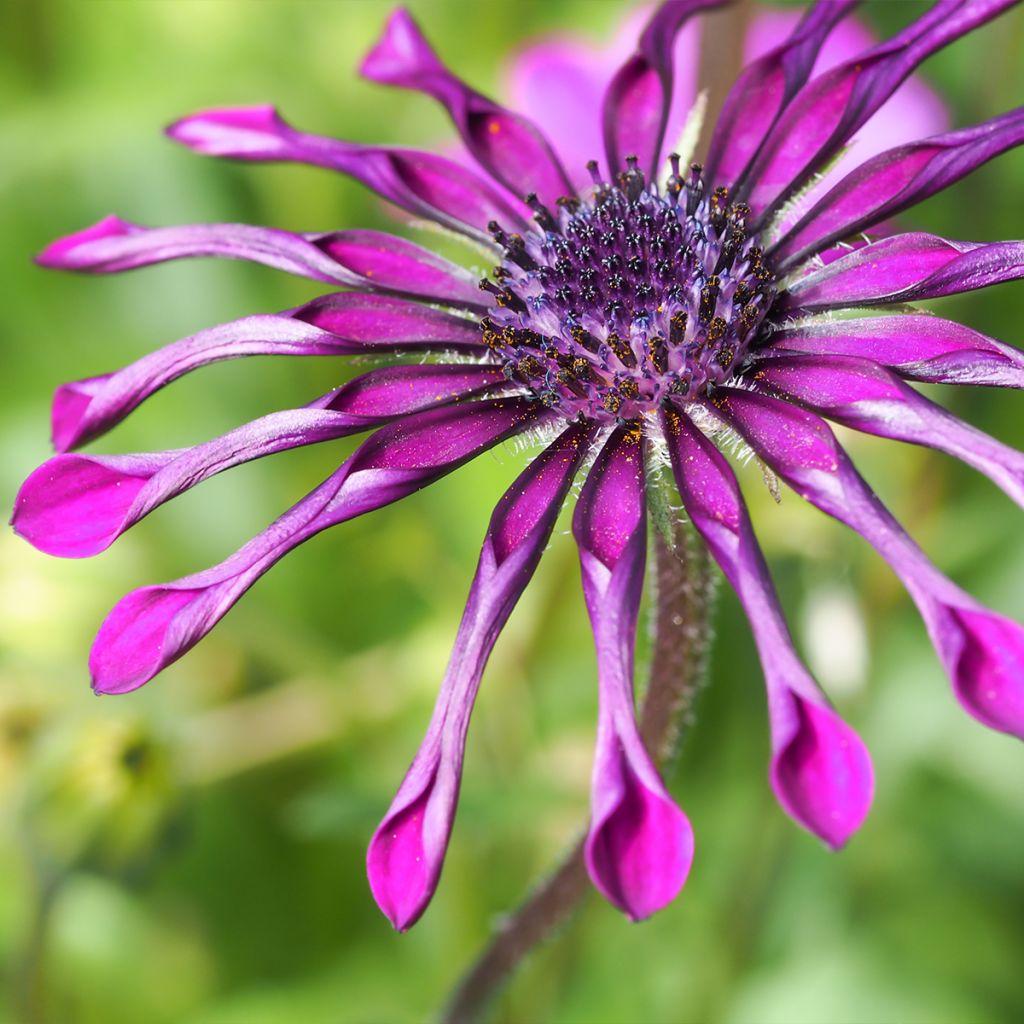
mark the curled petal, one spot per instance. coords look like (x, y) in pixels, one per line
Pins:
(245, 133)
(74, 505)
(114, 245)
(888, 265)
(65, 253)
(407, 851)
(913, 111)
(639, 96)
(908, 268)
(981, 651)
(830, 108)
(868, 397)
(356, 259)
(78, 505)
(917, 346)
(423, 184)
(379, 323)
(612, 516)
(988, 672)
(764, 89)
(387, 262)
(895, 180)
(820, 770)
(343, 324)
(391, 391)
(640, 845)
(508, 146)
(153, 627)
(822, 774)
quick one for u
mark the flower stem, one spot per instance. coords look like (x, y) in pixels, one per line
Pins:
(681, 620)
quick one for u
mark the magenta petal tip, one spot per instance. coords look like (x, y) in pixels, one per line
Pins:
(60, 255)
(228, 131)
(639, 852)
(137, 639)
(988, 675)
(400, 47)
(402, 871)
(73, 506)
(823, 775)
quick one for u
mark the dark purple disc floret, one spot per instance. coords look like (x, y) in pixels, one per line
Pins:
(628, 296)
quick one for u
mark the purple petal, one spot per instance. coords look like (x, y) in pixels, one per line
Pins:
(981, 651)
(640, 845)
(377, 323)
(823, 775)
(73, 505)
(870, 398)
(357, 259)
(78, 505)
(345, 324)
(508, 146)
(559, 81)
(152, 627)
(637, 103)
(614, 514)
(915, 345)
(908, 268)
(827, 111)
(896, 180)
(397, 265)
(421, 183)
(820, 770)
(988, 671)
(914, 111)
(764, 89)
(407, 851)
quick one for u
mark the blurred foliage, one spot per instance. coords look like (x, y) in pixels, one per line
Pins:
(194, 852)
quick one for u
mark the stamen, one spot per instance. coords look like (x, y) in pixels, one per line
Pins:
(658, 354)
(694, 189)
(541, 214)
(718, 206)
(632, 179)
(709, 298)
(677, 328)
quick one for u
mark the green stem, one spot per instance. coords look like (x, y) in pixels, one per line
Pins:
(683, 605)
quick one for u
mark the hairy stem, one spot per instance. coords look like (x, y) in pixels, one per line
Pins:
(684, 598)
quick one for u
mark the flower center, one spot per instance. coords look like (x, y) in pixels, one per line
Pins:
(618, 300)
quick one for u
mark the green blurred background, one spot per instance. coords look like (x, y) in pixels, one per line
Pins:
(194, 852)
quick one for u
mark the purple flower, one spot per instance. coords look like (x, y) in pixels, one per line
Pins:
(639, 311)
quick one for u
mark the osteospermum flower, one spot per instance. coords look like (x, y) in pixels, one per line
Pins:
(653, 312)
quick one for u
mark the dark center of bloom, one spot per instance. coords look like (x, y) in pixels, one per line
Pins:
(616, 301)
